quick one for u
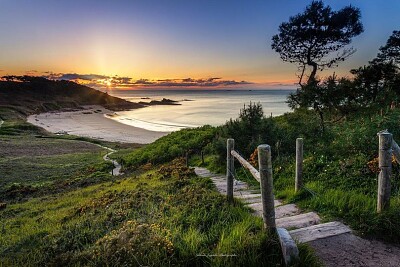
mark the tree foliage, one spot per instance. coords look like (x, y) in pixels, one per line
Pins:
(373, 87)
(250, 129)
(377, 84)
(310, 38)
(391, 51)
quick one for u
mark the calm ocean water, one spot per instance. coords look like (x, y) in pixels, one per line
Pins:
(198, 107)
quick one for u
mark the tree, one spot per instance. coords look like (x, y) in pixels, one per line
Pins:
(250, 129)
(391, 51)
(378, 83)
(310, 38)
(333, 95)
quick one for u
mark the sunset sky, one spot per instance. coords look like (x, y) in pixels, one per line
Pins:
(158, 43)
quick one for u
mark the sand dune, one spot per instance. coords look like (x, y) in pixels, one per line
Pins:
(93, 123)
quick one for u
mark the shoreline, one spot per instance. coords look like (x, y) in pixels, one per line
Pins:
(92, 122)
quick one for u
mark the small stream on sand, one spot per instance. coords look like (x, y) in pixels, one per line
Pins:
(117, 167)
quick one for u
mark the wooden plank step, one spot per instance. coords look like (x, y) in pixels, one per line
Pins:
(280, 211)
(314, 232)
(249, 196)
(258, 205)
(298, 221)
(251, 200)
(286, 211)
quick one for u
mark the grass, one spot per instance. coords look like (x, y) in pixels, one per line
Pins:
(162, 217)
(35, 162)
(340, 175)
(32, 165)
(340, 167)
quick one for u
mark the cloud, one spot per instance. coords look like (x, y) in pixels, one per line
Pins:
(31, 72)
(75, 76)
(104, 81)
(190, 82)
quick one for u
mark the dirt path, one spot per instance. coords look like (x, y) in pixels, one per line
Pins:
(351, 250)
(333, 242)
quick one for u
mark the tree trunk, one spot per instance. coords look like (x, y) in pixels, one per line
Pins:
(313, 72)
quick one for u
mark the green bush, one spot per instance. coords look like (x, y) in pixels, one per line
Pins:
(174, 145)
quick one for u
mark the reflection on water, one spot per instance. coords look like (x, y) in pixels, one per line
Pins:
(198, 107)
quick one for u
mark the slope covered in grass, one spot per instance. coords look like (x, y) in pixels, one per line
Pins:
(166, 216)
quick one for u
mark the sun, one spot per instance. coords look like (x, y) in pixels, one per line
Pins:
(108, 83)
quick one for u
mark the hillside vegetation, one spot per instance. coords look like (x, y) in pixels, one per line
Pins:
(60, 206)
(340, 162)
(29, 94)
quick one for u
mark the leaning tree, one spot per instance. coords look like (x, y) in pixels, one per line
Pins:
(318, 37)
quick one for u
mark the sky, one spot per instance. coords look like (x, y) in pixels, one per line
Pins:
(164, 43)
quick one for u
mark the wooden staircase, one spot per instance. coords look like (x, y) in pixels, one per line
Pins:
(302, 226)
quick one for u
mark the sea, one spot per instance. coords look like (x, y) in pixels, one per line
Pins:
(197, 107)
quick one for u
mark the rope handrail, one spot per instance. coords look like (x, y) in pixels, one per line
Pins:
(396, 151)
(247, 165)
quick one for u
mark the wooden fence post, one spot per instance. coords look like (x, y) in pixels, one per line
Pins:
(299, 165)
(202, 157)
(385, 164)
(230, 145)
(187, 158)
(267, 194)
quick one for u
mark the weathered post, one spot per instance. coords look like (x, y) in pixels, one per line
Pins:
(202, 157)
(187, 158)
(385, 164)
(299, 165)
(267, 194)
(230, 145)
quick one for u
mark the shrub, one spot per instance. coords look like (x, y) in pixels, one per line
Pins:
(135, 244)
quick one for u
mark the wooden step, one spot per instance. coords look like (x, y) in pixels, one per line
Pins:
(286, 211)
(314, 232)
(298, 221)
(280, 211)
(251, 200)
(244, 196)
(258, 205)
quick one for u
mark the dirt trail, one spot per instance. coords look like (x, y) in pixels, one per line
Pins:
(351, 250)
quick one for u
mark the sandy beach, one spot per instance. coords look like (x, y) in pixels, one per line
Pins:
(92, 122)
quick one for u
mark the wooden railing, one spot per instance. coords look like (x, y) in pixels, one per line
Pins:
(299, 165)
(263, 176)
(387, 148)
(289, 249)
